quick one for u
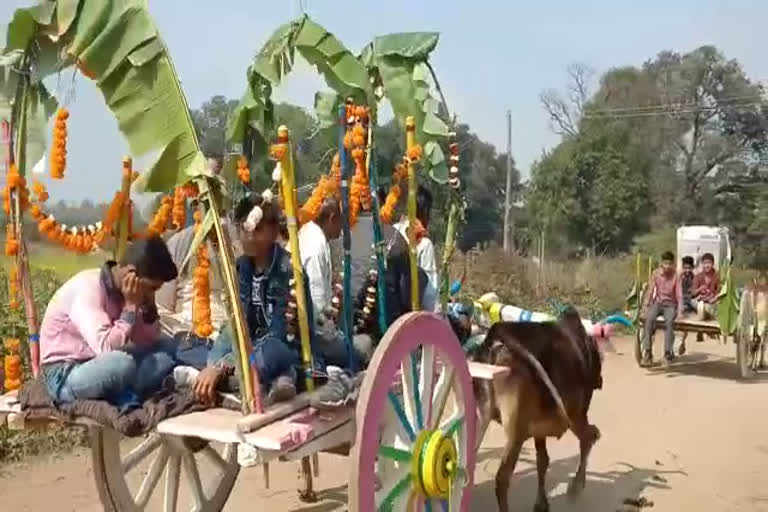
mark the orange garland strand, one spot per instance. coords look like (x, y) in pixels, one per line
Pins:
(59, 145)
(13, 287)
(179, 210)
(243, 172)
(201, 306)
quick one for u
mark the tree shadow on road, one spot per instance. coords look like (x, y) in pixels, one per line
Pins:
(605, 491)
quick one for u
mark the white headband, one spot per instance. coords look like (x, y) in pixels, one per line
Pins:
(256, 213)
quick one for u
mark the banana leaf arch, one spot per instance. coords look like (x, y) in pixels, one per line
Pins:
(394, 66)
(116, 44)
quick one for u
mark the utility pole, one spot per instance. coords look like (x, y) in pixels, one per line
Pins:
(508, 195)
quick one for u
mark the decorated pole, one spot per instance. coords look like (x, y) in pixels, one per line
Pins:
(381, 285)
(346, 312)
(121, 241)
(288, 181)
(410, 140)
(454, 216)
(22, 258)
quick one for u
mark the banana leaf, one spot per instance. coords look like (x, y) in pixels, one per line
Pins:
(400, 60)
(341, 70)
(728, 305)
(40, 106)
(119, 45)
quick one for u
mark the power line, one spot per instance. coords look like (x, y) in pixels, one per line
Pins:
(670, 111)
(721, 101)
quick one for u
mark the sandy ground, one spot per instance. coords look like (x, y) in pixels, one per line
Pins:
(691, 437)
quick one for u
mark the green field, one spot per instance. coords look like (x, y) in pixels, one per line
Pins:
(62, 262)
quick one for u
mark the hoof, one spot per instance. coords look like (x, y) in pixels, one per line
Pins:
(541, 506)
(681, 350)
(576, 486)
(307, 496)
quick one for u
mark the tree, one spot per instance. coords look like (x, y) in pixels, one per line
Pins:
(565, 114)
(210, 122)
(714, 114)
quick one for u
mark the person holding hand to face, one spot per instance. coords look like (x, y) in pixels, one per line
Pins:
(100, 337)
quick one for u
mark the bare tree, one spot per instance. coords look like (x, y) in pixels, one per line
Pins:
(565, 108)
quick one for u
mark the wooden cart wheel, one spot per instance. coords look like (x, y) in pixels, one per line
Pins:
(745, 333)
(122, 488)
(415, 448)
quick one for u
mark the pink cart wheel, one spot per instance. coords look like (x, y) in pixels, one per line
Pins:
(416, 419)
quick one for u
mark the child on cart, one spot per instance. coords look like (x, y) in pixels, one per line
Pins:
(100, 339)
(264, 273)
(706, 284)
(686, 282)
(664, 297)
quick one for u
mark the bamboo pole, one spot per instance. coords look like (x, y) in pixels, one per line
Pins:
(410, 139)
(248, 375)
(373, 184)
(22, 258)
(450, 245)
(121, 241)
(289, 200)
(346, 176)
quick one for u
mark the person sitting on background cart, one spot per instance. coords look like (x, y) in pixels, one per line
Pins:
(100, 338)
(264, 273)
(706, 284)
(425, 249)
(664, 297)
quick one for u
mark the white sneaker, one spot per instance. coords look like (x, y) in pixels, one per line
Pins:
(185, 376)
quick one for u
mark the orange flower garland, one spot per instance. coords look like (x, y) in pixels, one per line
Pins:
(163, 215)
(387, 211)
(243, 172)
(201, 307)
(40, 192)
(11, 244)
(15, 182)
(179, 210)
(59, 144)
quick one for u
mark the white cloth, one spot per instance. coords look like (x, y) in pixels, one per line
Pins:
(315, 254)
(425, 259)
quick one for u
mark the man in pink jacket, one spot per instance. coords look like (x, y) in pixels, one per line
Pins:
(100, 338)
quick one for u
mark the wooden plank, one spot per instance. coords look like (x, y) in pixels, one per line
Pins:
(213, 425)
(337, 438)
(254, 421)
(298, 429)
(486, 371)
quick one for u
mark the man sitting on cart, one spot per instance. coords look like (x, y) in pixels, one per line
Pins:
(664, 297)
(425, 249)
(264, 273)
(100, 339)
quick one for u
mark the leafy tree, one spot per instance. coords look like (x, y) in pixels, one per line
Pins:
(210, 122)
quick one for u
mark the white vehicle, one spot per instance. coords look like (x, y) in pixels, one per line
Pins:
(696, 241)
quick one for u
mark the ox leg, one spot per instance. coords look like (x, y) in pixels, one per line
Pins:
(506, 469)
(588, 436)
(542, 464)
(483, 420)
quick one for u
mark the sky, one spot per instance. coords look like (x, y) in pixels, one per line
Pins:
(493, 55)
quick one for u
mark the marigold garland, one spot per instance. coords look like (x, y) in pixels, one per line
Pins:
(162, 217)
(179, 210)
(387, 211)
(15, 182)
(201, 306)
(11, 244)
(40, 192)
(59, 144)
(243, 172)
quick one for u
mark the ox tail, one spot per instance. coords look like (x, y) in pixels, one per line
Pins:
(542, 374)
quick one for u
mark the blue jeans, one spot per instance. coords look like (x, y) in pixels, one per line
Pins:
(272, 357)
(107, 375)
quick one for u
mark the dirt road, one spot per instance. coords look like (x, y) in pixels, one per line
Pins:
(690, 437)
